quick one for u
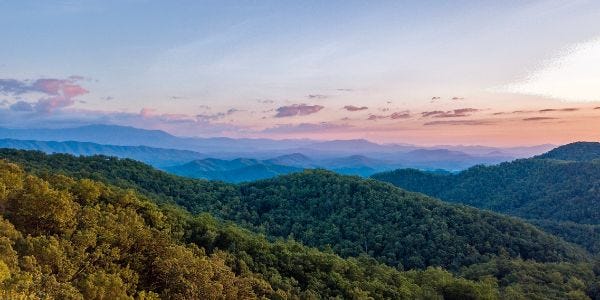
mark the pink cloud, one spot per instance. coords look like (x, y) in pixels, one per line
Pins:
(60, 92)
(297, 110)
(400, 115)
(355, 108)
(461, 112)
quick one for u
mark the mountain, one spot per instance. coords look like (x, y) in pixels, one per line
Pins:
(263, 149)
(66, 238)
(237, 170)
(155, 156)
(580, 151)
(447, 159)
(130, 136)
(562, 193)
(117, 243)
(351, 215)
(298, 160)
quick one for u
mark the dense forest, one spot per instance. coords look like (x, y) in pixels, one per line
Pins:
(100, 227)
(323, 209)
(64, 238)
(559, 190)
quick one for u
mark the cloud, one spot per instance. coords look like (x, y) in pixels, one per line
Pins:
(305, 127)
(21, 106)
(297, 110)
(558, 109)
(461, 112)
(461, 123)
(4, 102)
(394, 116)
(265, 101)
(57, 93)
(572, 75)
(14, 87)
(376, 117)
(400, 115)
(216, 116)
(355, 108)
(317, 96)
(539, 119)
(597, 107)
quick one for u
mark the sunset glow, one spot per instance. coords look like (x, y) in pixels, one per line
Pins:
(518, 73)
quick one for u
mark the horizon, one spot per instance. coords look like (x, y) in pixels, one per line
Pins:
(281, 139)
(508, 74)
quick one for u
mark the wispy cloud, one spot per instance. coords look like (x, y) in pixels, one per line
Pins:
(317, 96)
(461, 122)
(355, 108)
(394, 116)
(305, 127)
(539, 119)
(558, 109)
(297, 110)
(461, 112)
(216, 116)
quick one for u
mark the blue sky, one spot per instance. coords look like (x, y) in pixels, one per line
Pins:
(230, 67)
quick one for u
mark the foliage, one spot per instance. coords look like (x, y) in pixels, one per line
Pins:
(563, 192)
(111, 243)
(350, 215)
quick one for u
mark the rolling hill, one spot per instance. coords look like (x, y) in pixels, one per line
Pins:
(321, 208)
(496, 257)
(559, 189)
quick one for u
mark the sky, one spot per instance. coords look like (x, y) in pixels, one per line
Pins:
(499, 73)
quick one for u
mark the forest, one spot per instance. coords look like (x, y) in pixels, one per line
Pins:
(558, 191)
(100, 227)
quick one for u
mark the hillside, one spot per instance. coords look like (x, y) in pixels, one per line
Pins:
(63, 238)
(580, 151)
(246, 263)
(321, 208)
(563, 193)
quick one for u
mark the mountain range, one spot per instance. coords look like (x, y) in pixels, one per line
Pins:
(72, 225)
(215, 158)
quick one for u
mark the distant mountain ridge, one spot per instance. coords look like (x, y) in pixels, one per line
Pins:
(157, 157)
(237, 170)
(223, 147)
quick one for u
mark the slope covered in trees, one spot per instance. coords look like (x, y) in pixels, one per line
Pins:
(580, 151)
(320, 208)
(63, 238)
(559, 195)
(96, 240)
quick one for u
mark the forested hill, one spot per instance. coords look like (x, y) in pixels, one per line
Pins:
(323, 209)
(64, 238)
(580, 151)
(563, 193)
